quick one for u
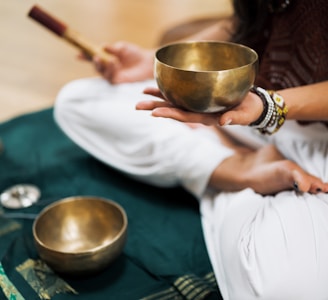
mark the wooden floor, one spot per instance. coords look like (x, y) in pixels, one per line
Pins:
(35, 64)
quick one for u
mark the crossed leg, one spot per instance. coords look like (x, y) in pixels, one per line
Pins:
(102, 119)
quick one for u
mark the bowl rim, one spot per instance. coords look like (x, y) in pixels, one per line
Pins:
(251, 50)
(79, 198)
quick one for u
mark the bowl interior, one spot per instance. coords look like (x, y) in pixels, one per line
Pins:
(206, 56)
(77, 225)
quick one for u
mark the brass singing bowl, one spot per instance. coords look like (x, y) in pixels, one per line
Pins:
(80, 235)
(205, 76)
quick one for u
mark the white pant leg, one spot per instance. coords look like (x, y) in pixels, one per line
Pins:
(102, 119)
(270, 248)
(274, 247)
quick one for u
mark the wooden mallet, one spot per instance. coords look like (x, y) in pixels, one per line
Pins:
(64, 31)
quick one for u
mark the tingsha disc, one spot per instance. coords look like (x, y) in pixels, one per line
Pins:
(20, 196)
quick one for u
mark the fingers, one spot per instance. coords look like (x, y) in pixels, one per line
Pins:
(165, 109)
(150, 105)
(185, 116)
(84, 56)
(318, 186)
(106, 68)
(100, 65)
(117, 48)
(307, 183)
(153, 92)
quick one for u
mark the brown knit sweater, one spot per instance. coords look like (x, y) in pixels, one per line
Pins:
(294, 47)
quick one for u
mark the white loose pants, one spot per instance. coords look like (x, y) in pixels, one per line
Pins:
(273, 247)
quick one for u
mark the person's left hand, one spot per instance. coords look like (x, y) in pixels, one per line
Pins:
(245, 113)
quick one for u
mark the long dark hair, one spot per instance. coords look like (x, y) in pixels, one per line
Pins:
(252, 16)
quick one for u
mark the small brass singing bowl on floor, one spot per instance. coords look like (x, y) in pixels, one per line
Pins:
(205, 76)
(80, 235)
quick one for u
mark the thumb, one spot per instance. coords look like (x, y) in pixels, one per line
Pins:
(234, 117)
(227, 118)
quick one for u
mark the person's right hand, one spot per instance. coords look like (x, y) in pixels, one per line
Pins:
(132, 63)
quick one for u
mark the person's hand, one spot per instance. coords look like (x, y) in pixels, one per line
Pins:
(245, 113)
(132, 63)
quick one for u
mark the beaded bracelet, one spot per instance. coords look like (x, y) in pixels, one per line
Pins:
(281, 110)
(265, 107)
(274, 111)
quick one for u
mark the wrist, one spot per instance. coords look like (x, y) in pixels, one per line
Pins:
(260, 107)
(274, 111)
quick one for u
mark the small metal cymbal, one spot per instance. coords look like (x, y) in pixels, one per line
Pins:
(20, 196)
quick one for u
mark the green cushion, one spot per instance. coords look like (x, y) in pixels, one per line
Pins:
(165, 244)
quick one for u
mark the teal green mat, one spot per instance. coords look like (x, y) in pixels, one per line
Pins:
(165, 250)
